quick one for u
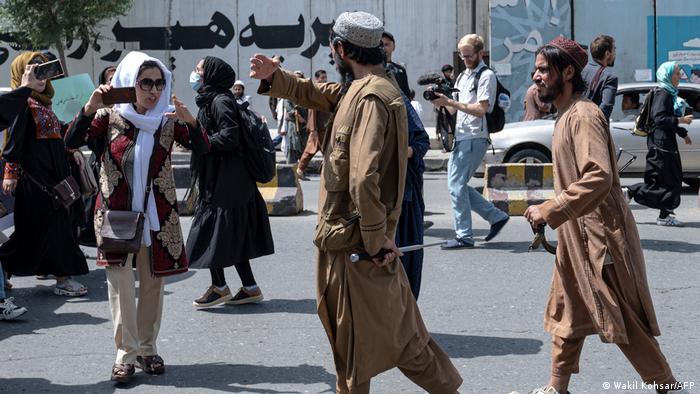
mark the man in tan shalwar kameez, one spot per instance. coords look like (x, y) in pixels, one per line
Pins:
(370, 316)
(599, 284)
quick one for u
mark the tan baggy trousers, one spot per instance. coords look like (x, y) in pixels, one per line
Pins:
(136, 326)
(642, 349)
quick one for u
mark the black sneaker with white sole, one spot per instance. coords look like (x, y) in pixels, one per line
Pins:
(10, 311)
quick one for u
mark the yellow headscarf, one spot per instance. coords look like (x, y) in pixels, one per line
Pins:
(19, 64)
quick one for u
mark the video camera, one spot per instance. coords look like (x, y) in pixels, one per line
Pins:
(436, 83)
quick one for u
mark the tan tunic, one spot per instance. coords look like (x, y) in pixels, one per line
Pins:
(369, 313)
(595, 227)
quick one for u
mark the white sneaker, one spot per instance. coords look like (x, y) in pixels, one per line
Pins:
(10, 311)
(70, 288)
(669, 221)
(540, 390)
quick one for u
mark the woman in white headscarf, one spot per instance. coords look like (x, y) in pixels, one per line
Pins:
(139, 138)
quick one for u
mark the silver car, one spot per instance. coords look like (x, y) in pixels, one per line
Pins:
(530, 142)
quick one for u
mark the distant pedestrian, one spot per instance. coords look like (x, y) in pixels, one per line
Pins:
(663, 175)
(239, 92)
(397, 70)
(601, 81)
(316, 127)
(449, 73)
(295, 119)
(417, 106)
(534, 107)
(230, 225)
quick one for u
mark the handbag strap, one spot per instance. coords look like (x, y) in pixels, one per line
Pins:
(40, 185)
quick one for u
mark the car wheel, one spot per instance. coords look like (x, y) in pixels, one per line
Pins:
(694, 183)
(529, 156)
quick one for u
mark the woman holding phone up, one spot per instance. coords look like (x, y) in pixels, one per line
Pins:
(44, 241)
(136, 176)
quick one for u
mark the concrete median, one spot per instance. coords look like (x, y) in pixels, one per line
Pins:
(514, 187)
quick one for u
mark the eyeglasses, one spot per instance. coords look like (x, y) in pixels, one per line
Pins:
(147, 84)
(463, 56)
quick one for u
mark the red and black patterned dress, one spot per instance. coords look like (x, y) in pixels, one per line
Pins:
(44, 241)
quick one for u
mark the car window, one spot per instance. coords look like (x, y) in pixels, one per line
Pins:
(627, 105)
(692, 97)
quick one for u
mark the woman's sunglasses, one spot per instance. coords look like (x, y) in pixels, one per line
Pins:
(147, 84)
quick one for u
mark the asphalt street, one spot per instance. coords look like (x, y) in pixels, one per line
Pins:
(484, 306)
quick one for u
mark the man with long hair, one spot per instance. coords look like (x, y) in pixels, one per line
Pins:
(599, 284)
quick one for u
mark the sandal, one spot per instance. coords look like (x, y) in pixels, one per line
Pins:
(152, 365)
(122, 373)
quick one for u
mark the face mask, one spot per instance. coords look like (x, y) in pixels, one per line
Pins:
(195, 80)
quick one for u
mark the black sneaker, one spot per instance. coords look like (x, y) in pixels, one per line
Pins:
(10, 311)
(246, 297)
(496, 228)
(212, 297)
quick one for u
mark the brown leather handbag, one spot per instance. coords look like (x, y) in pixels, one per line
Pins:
(63, 195)
(122, 231)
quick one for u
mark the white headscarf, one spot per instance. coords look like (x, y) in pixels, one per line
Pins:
(125, 76)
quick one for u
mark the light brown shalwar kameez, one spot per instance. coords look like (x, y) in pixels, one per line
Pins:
(370, 316)
(599, 285)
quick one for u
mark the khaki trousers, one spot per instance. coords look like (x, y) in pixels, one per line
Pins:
(431, 370)
(642, 351)
(135, 326)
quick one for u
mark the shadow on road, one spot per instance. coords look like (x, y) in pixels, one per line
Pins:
(670, 246)
(232, 378)
(471, 346)
(305, 306)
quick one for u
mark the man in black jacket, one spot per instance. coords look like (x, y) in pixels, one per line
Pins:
(601, 81)
(396, 69)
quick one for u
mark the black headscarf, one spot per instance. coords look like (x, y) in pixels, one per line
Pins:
(218, 79)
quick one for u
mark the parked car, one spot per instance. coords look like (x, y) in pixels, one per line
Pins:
(530, 142)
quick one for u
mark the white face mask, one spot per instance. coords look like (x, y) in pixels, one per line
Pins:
(195, 81)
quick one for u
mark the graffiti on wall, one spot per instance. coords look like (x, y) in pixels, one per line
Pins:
(518, 28)
(677, 39)
(220, 32)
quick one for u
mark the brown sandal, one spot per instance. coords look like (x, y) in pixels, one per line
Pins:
(153, 365)
(122, 373)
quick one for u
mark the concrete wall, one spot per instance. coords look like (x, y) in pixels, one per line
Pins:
(426, 32)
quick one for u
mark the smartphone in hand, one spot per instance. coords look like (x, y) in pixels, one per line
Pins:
(49, 70)
(119, 96)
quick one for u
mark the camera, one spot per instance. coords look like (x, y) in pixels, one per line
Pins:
(437, 83)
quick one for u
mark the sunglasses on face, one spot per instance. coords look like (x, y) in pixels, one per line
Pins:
(147, 84)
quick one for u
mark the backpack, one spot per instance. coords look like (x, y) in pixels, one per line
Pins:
(496, 118)
(643, 123)
(258, 149)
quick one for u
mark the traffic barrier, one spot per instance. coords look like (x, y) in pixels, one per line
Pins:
(515, 186)
(283, 194)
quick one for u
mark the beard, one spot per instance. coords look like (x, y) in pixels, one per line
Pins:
(344, 69)
(550, 93)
